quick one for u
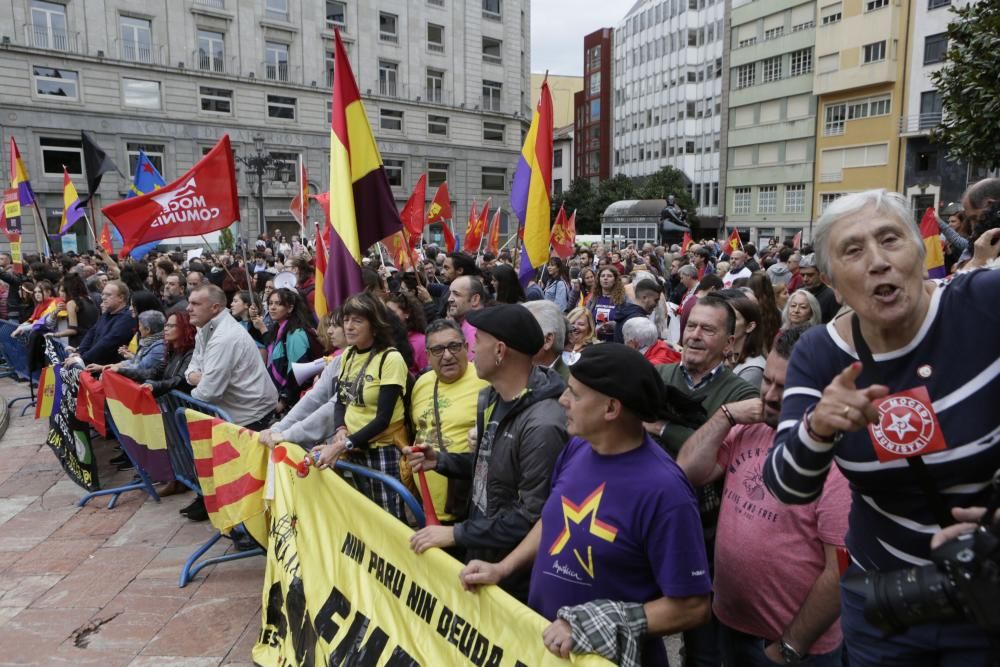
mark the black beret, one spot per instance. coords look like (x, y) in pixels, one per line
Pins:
(621, 372)
(511, 324)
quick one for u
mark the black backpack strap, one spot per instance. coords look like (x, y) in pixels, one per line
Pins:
(916, 464)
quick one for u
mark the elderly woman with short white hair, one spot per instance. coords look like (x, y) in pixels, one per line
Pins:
(801, 309)
(901, 393)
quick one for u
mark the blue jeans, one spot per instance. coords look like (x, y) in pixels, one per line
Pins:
(742, 650)
(926, 645)
(701, 645)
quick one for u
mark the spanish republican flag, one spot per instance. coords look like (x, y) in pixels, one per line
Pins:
(531, 196)
(362, 207)
(734, 243)
(72, 207)
(19, 176)
(49, 392)
(140, 424)
(934, 259)
(232, 469)
(90, 402)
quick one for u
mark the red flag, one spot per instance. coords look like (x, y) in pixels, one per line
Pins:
(413, 213)
(797, 240)
(90, 402)
(323, 199)
(398, 246)
(322, 256)
(734, 243)
(493, 239)
(201, 201)
(441, 206)
(686, 242)
(477, 227)
(106, 239)
(450, 244)
(300, 202)
(559, 239)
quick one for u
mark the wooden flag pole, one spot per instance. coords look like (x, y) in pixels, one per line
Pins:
(40, 223)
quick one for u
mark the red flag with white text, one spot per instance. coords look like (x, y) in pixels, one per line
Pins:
(201, 201)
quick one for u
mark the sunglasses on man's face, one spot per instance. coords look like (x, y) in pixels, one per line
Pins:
(438, 350)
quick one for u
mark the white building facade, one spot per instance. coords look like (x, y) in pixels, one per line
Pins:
(668, 95)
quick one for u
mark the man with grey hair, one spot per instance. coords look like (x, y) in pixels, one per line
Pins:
(550, 318)
(812, 281)
(642, 335)
(226, 368)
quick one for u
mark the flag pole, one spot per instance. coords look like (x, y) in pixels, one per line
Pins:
(303, 187)
(41, 226)
(218, 261)
(246, 270)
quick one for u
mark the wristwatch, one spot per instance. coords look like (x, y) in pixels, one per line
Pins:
(788, 652)
(348, 445)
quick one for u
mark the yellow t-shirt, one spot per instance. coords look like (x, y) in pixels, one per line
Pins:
(457, 406)
(362, 393)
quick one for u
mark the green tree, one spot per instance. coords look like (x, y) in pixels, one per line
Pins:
(967, 83)
(226, 240)
(614, 189)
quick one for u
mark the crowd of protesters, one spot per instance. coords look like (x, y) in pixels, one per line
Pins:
(639, 441)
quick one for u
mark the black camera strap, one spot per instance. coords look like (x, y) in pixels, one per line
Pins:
(916, 463)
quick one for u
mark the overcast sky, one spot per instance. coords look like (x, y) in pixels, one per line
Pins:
(558, 27)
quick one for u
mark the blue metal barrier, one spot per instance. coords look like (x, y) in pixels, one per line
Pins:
(392, 483)
(143, 484)
(15, 350)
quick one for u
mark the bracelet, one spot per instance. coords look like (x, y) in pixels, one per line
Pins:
(807, 420)
(728, 414)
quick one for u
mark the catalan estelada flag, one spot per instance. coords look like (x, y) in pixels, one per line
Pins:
(19, 176)
(140, 424)
(49, 392)
(72, 207)
(90, 402)
(362, 207)
(931, 233)
(232, 469)
(531, 196)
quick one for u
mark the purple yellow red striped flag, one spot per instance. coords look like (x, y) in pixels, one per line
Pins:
(139, 422)
(531, 194)
(49, 392)
(72, 206)
(362, 208)
(19, 176)
(232, 469)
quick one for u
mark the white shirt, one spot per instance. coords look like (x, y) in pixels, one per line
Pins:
(727, 281)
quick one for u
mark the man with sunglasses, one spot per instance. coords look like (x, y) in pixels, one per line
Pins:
(443, 411)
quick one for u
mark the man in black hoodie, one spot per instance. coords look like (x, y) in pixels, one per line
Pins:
(520, 429)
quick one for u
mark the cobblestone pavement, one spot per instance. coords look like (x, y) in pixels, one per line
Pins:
(93, 586)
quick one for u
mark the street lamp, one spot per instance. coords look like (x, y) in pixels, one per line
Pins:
(261, 167)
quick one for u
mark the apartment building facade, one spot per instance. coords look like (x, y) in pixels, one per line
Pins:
(445, 85)
(860, 72)
(771, 119)
(668, 96)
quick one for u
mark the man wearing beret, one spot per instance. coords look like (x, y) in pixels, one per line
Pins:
(617, 558)
(520, 430)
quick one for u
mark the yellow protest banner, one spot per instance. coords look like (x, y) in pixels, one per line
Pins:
(342, 587)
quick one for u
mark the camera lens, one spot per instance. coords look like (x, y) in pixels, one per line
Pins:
(897, 600)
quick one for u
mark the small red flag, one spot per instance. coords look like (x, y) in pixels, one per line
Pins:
(413, 213)
(477, 228)
(300, 202)
(559, 239)
(106, 239)
(686, 242)
(734, 242)
(90, 402)
(450, 243)
(441, 206)
(797, 240)
(493, 239)
(201, 201)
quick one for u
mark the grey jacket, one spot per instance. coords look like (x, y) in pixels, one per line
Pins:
(310, 421)
(233, 374)
(515, 474)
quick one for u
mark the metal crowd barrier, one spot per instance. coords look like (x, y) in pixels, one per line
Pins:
(15, 351)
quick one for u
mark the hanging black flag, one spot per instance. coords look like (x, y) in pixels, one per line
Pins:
(97, 163)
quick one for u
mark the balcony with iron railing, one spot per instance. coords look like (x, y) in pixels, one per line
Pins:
(275, 71)
(213, 63)
(140, 52)
(919, 124)
(43, 37)
(211, 4)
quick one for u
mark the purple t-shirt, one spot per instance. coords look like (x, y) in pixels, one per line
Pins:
(623, 527)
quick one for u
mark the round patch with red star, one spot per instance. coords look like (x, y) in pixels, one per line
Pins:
(907, 426)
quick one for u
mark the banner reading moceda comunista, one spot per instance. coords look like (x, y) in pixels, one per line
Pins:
(342, 587)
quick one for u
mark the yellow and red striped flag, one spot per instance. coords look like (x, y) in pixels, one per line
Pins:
(232, 469)
(362, 207)
(49, 392)
(140, 424)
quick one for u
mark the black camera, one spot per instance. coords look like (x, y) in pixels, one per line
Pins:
(962, 584)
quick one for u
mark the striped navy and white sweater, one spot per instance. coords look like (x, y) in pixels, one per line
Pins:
(891, 522)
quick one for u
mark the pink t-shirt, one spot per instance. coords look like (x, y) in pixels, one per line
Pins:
(419, 344)
(470, 338)
(768, 555)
